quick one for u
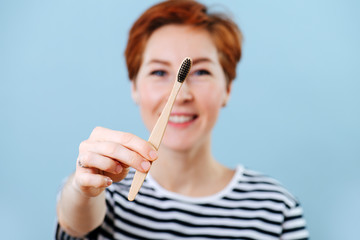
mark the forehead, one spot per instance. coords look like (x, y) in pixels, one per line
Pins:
(175, 42)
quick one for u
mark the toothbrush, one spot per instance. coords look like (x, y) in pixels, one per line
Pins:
(158, 131)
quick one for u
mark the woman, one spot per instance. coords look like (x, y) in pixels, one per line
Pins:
(188, 193)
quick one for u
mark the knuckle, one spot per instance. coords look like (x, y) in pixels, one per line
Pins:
(126, 137)
(109, 168)
(83, 180)
(85, 158)
(134, 159)
(147, 149)
(82, 145)
(106, 165)
(111, 149)
(96, 131)
(147, 146)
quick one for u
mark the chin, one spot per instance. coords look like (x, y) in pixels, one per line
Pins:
(177, 145)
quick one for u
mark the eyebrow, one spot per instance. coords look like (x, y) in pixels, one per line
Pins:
(200, 60)
(164, 62)
(158, 61)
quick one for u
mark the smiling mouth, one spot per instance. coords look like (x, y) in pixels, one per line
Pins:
(182, 118)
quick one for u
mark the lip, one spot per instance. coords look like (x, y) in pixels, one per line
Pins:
(182, 120)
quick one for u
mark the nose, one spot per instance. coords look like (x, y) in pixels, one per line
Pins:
(185, 94)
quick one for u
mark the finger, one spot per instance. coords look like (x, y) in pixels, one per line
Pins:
(87, 180)
(129, 140)
(93, 160)
(118, 177)
(118, 153)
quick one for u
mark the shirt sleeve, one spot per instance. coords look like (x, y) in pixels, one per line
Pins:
(105, 230)
(294, 225)
(62, 235)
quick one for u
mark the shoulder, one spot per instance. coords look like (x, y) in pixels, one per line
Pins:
(260, 187)
(266, 189)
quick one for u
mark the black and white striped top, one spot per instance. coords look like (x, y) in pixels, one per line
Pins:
(252, 206)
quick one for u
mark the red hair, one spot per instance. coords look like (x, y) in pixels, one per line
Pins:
(224, 32)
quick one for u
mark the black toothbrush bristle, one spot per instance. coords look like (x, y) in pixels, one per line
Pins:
(184, 70)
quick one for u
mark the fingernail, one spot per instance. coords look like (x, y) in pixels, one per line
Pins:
(153, 154)
(108, 181)
(145, 165)
(119, 168)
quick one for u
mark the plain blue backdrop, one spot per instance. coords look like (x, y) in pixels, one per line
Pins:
(294, 112)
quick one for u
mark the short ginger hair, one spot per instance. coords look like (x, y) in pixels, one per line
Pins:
(224, 32)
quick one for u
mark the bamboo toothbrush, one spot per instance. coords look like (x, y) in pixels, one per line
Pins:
(160, 126)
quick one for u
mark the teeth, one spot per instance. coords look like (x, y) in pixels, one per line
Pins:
(180, 119)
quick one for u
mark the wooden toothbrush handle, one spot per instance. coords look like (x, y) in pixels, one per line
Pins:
(155, 139)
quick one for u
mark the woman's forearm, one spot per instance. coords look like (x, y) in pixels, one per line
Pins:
(104, 158)
(79, 214)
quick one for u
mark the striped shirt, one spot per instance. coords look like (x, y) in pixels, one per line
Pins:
(252, 206)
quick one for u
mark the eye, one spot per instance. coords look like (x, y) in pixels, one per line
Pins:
(201, 72)
(159, 73)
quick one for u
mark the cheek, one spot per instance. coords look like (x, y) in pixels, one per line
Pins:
(213, 97)
(146, 95)
(151, 98)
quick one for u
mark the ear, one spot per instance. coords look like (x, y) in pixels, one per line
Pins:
(134, 92)
(227, 94)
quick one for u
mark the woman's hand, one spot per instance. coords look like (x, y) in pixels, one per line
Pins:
(106, 157)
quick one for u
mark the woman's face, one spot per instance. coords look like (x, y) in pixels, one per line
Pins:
(202, 95)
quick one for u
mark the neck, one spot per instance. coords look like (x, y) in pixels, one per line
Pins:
(192, 172)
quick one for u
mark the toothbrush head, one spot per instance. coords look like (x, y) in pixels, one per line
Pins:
(184, 70)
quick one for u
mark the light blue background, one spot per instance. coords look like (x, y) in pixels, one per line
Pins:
(294, 112)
